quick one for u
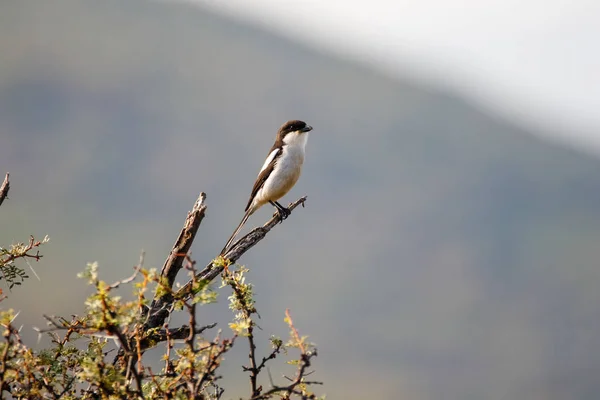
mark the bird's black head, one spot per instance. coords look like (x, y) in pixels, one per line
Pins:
(294, 126)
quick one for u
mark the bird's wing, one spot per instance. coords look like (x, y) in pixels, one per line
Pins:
(266, 170)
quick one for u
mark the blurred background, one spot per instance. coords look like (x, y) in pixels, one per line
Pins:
(449, 247)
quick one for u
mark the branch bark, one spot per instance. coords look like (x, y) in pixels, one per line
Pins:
(160, 308)
(4, 188)
(213, 269)
(158, 311)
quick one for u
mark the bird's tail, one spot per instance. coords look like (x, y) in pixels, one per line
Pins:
(237, 230)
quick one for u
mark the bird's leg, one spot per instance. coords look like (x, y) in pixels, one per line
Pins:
(277, 212)
(281, 210)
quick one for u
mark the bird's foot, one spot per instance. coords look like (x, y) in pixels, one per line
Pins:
(283, 213)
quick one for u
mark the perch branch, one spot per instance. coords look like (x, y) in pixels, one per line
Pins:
(212, 270)
(159, 310)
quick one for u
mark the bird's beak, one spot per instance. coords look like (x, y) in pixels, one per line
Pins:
(307, 128)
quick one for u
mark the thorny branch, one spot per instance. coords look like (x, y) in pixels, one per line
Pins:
(295, 386)
(242, 301)
(194, 368)
(160, 308)
(23, 252)
(213, 269)
(163, 302)
(8, 270)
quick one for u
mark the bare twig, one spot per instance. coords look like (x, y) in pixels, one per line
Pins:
(159, 310)
(136, 270)
(305, 360)
(271, 356)
(4, 188)
(125, 281)
(303, 364)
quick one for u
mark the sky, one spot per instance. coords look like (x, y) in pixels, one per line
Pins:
(535, 62)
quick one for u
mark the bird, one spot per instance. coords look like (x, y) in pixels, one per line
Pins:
(279, 173)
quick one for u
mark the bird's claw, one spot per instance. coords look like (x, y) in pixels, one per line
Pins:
(283, 213)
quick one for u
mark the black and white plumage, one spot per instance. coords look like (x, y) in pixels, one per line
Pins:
(279, 173)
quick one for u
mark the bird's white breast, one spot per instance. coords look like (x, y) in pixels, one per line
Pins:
(287, 168)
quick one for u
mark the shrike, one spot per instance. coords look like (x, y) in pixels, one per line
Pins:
(279, 173)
